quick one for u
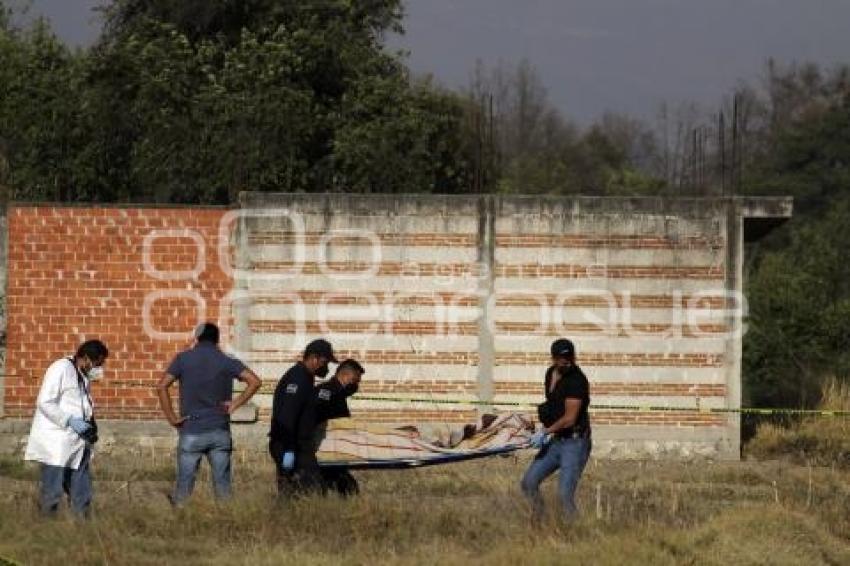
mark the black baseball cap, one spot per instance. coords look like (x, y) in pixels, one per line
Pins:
(321, 348)
(562, 348)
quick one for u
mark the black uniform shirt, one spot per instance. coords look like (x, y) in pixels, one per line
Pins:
(331, 401)
(294, 410)
(572, 385)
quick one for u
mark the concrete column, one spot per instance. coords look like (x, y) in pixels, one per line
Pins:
(241, 307)
(487, 264)
(734, 342)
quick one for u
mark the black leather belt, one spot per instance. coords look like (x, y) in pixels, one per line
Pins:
(574, 434)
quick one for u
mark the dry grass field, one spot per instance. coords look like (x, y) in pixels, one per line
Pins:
(788, 502)
(770, 512)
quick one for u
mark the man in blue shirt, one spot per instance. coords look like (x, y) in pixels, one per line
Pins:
(205, 376)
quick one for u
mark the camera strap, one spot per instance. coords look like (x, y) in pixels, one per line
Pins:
(81, 383)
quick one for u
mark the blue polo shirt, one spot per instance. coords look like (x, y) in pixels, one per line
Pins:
(206, 376)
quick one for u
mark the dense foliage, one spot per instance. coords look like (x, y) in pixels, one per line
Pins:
(193, 101)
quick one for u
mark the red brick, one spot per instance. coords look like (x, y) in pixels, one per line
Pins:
(43, 310)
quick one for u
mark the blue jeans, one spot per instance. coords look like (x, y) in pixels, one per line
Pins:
(568, 454)
(217, 446)
(56, 480)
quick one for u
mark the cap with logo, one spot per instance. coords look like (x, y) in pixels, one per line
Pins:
(321, 348)
(562, 348)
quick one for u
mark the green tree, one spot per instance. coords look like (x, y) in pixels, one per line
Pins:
(799, 326)
(194, 101)
(809, 158)
(799, 279)
(392, 138)
(227, 19)
(40, 82)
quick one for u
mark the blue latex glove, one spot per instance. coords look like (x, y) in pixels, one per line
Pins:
(288, 461)
(78, 425)
(540, 439)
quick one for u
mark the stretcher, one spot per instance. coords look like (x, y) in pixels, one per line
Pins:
(358, 445)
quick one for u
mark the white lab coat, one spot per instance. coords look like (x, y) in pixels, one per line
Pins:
(51, 440)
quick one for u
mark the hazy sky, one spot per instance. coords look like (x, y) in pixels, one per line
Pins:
(597, 55)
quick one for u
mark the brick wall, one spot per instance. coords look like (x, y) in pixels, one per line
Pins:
(80, 273)
(440, 298)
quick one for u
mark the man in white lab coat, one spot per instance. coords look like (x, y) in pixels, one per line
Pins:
(63, 429)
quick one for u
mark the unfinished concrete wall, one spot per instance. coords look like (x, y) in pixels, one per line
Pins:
(459, 298)
(390, 281)
(441, 297)
(640, 287)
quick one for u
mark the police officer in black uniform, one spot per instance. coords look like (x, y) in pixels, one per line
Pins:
(291, 442)
(564, 441)
(331, 403)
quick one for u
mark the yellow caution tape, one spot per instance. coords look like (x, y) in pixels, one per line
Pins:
(603, 407)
